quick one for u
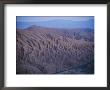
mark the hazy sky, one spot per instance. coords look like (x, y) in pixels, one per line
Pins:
(56, 21)
(49, 18)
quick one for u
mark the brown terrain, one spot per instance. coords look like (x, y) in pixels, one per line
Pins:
(42, 50)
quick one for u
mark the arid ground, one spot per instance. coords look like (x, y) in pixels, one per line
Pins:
(41, 50)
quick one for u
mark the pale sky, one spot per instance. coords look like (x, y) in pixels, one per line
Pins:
(48, 18)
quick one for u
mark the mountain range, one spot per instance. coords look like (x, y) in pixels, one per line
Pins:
(68, 24)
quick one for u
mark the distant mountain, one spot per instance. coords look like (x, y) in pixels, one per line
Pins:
(42, 50)
(68, 24)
